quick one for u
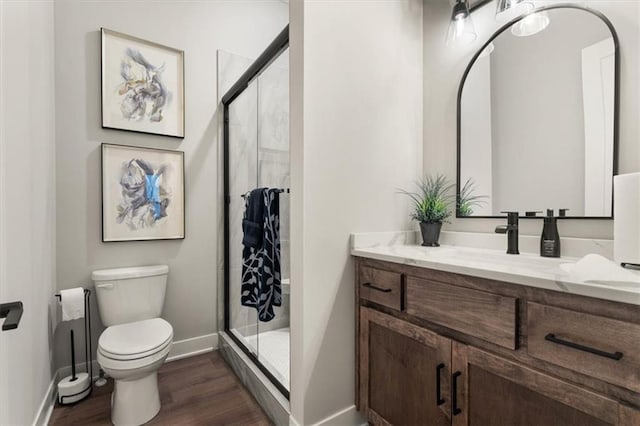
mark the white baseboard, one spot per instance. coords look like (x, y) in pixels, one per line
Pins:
(293, 422)
(347, 417)
(48, 402)
(194, 346)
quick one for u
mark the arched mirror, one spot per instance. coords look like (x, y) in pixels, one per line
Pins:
(537, 117)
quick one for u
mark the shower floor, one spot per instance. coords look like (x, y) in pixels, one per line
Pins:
(273, 352)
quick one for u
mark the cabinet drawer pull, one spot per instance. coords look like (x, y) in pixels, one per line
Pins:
(455, 410)
(373, 287)
(552, 338)
(439, 399)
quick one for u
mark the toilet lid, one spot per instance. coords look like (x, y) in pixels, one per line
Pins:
(135, 338)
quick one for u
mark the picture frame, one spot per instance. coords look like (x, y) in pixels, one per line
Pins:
(142, 85)
(143, 195)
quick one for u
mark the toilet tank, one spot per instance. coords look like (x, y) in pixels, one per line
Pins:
(130, 294)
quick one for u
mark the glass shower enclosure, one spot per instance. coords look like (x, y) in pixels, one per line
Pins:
(256, 155)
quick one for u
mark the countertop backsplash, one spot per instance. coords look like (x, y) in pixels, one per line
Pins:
(571, 247)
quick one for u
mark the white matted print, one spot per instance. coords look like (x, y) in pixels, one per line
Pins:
(142, 85)
(142, 193)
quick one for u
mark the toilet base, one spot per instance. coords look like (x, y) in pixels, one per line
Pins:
(135, 402)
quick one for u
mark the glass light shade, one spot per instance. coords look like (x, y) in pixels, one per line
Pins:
(507, 10)
(487, 50)
(461, 29)
(532, 24)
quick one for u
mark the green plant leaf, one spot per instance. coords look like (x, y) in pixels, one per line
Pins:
(433, 199)
(466, 200)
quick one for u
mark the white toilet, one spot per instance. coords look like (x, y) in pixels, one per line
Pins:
(136, 342)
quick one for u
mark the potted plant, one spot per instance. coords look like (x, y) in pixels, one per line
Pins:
(431, 207)
(467, 200)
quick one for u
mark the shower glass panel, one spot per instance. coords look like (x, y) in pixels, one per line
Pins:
(257, 156)
(273, 172)
(243, 146)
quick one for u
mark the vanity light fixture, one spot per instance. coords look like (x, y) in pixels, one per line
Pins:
(531, 24)
(507, 10)
(461, 30)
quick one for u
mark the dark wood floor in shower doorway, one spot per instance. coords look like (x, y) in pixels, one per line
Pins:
(201, 390)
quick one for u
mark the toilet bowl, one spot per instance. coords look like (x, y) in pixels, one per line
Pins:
(136, 341)
(132, 353)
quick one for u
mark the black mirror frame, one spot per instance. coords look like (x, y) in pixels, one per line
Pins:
(616, 101)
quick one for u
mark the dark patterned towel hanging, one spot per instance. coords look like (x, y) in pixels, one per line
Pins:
(261, 286)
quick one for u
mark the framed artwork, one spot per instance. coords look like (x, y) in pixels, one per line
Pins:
(142, 85)
(142, 193)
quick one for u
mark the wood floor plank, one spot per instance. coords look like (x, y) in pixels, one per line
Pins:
(201, 390)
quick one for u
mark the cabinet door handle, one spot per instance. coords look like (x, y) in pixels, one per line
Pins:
(373, 287)
(439, 399)
(552, 338)
(455, 410)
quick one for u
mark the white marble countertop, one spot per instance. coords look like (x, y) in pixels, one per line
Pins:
(525, 269)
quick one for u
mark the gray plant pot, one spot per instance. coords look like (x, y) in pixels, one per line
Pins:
(430, 234)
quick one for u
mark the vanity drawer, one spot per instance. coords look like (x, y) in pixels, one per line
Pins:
(382, 287)
(600, 347)
(488, 316)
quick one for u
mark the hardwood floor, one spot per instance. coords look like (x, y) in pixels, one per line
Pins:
(201, 390)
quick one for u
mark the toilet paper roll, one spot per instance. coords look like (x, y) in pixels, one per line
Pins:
(72, 301)
(626, 215)
(70, 391)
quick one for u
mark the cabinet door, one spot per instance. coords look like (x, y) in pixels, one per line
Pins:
(488, 390)
(404, 372)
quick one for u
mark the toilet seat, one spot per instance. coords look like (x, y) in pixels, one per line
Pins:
(136, 340)
(138, 364)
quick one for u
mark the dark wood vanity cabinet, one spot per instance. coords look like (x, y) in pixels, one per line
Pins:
(494, 391)
(407, 374)
(429, 353)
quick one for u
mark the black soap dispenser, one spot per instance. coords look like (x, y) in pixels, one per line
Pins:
(550, 239)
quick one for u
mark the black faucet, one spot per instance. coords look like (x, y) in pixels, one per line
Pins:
(511, 229)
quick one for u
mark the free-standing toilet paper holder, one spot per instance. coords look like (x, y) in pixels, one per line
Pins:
(69, 391)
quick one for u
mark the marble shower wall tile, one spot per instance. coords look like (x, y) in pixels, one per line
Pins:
(273, 105)
(285, 264)
(273, 130)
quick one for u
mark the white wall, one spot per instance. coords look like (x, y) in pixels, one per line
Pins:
(356, 123)
(27, 205)
(443, 69)
(200, 29)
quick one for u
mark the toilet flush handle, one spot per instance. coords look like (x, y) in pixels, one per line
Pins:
(105, 286)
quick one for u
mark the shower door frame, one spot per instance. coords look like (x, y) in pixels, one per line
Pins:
(273, 51)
